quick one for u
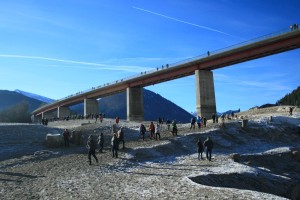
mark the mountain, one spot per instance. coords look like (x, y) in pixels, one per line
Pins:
(115, 105)
(11, 98)
(35, 96)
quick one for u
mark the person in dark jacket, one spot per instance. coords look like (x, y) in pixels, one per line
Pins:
(101, 142)
(174, 127)
(208, 143)
(204, 121)
(66, 135)
(193, 121)
(142, 131)
(157, 131)
(92, 145)
(115, 145)
(200, 149)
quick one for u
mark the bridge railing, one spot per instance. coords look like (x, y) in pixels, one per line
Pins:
(261, 38)
(242, 44)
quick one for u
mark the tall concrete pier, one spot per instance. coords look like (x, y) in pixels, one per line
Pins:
(135, 104)
(205, 93)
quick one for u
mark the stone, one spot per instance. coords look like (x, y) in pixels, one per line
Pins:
(244, 123)
(235, 157)
(76, 137)
(296, 155)
(54, 140)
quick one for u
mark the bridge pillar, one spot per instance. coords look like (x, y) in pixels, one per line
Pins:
(36, 118)
(47, 115)
(90, 106)
(63, 112)
(205, 93)
(135, 104)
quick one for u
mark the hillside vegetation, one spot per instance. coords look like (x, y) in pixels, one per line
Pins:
(292, 98)
(17, 113)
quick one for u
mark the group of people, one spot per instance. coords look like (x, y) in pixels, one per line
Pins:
(208, 144)
(92, 144)
(155, 133)
(294, 27)
(201, 121)
(155, 130)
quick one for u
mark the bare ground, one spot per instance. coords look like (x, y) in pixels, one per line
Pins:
(165, 169)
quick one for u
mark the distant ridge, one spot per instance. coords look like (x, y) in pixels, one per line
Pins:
(155, 105)
(35, 96)
(12, 98)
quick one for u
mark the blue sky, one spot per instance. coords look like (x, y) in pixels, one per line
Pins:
(56, 48)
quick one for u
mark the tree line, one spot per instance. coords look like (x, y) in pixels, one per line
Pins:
(18, 113)
(292, 98)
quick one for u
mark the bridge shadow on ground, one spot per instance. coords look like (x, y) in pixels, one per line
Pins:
(277, 174)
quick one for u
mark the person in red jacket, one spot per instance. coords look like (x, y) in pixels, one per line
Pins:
(151, 130)
(117, 120)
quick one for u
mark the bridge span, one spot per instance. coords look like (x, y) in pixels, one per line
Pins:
(199, 66)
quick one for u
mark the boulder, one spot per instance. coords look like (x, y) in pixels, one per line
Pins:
(235, 157)
(76, 137)
(296, 155)
(244, 123)
(295, 194)
(54, 140)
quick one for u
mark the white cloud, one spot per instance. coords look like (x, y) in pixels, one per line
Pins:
(91, 65)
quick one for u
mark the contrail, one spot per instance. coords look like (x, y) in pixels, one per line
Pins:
(103, 66)
(189, 23)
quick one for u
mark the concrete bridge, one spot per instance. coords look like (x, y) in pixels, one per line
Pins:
(200, 66)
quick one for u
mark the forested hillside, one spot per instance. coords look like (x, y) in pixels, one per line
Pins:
(292, 98)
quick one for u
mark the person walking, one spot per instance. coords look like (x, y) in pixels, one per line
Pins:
(66, 135)
(204, 121)
(143, 131)
(291, 111)
(101, 142)
(213, 117)
(121, 136)
(193, 121)
(200, 149)
(152, 130)
(92, 145)
(168, 122)
(208, 143)
(199, 121)
(157, 131)
(117, 120)
(115, 145)
(174, 127)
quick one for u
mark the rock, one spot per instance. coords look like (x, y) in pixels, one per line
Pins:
(54, 140)
(295, 194)
(296, 155)
(76, 137)
(244, 123)
(235, 157)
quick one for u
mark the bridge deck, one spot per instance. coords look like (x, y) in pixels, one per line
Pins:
(253, 49)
